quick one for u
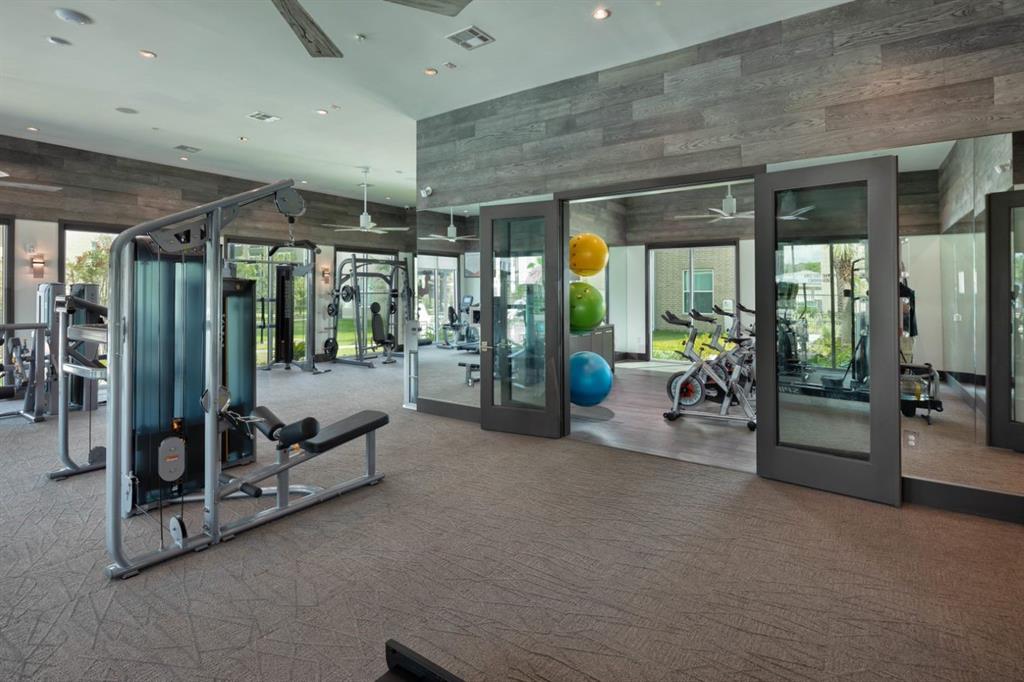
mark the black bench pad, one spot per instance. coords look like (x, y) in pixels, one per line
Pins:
(349, 428)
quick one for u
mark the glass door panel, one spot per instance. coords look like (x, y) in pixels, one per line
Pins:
(520, 351)
(827, 328)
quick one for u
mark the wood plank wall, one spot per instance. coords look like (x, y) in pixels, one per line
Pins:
(865, 75)
(111, 190)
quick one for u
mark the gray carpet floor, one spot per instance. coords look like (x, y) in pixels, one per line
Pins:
(507, 558)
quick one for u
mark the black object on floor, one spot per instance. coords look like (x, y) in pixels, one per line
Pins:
(406, 665)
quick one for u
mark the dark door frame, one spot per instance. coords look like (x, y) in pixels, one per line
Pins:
(528, 421)
(1003, 432)
(879, 477)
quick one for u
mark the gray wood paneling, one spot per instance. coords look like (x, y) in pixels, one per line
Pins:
(865, 75)
(605, 218)
(99, 188)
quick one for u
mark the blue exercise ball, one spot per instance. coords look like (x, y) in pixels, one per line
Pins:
(590, 378)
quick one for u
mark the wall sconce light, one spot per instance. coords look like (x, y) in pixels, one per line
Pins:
(38, 266)
(325, 274)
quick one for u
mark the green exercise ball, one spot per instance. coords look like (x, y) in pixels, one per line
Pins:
(586, 307)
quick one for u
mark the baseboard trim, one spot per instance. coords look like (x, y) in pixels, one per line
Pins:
(964, 499)
(440, 408)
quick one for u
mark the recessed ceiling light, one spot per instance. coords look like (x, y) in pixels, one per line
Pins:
(127, 110)
(4, 174)
(430, 71)
(32, 129)
(303, 182)
(243, 138)
(183, 158)
(360, 37)
(147, 54)
(602, 13)
(72, 17)
(387, 198)
(322, 112)
(57, 40)
(450, 65)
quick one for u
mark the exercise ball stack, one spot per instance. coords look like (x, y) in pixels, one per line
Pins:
(590, 376)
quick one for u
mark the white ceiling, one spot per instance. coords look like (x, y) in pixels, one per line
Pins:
(222, 59)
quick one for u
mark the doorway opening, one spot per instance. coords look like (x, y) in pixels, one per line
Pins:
(679, 275)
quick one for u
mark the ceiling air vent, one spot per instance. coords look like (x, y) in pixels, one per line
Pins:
(261, 116)
(186, 148)
(471, 38)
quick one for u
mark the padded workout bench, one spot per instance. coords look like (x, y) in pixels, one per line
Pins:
(470, 368)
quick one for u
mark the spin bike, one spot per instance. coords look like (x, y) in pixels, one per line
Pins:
(727, 379)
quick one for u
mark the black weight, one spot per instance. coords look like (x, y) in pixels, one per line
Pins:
(330, 348)
(332, 310)
(347, 293)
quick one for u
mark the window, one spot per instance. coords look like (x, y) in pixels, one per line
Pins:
(671, 287)
(86, 255)
(703, 296)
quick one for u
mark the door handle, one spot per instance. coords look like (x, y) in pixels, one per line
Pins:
(484, 347)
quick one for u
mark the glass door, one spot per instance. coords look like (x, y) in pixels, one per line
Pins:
(521, 322)
(1006, 320)
(827, 343)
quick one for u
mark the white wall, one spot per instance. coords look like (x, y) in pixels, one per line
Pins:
(31, 237)
(746, 258)
(628, 297)
(922, 257)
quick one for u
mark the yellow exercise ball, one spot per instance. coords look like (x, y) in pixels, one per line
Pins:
(588, 254)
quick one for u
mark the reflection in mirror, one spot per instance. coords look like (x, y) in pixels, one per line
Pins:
(822, 330)
(447, 293)
(943, 338)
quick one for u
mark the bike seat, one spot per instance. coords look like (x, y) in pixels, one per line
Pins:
(695, 315)
(719, 310)
(739, 340)
(745, 309)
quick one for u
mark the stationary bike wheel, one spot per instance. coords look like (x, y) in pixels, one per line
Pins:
(690, 393)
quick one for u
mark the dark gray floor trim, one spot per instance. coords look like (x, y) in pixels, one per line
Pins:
(442, 409)
(965, 500)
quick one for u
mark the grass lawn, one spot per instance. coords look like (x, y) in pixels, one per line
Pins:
(665, 343)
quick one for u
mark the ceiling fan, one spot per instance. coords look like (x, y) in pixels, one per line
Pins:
(788, 210)
(316, 41)
(727, 212)
(453, 232)
(366, 224)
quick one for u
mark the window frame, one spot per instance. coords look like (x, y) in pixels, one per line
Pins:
(65, 226)
(696, 272)
(7, 293)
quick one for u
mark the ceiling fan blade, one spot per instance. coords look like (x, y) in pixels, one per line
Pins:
(312, 37)
(801, 211)
(348, 229)
(337, 225)
(467, 238)
(448, 8)
(745, 214)
(392, 229)
(31, 186)
(719, 212)
(695, 216)
(433, 237)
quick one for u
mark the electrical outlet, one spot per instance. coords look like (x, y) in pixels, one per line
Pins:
(910, 438)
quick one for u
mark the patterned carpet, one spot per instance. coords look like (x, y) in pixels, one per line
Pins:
(508, 558)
